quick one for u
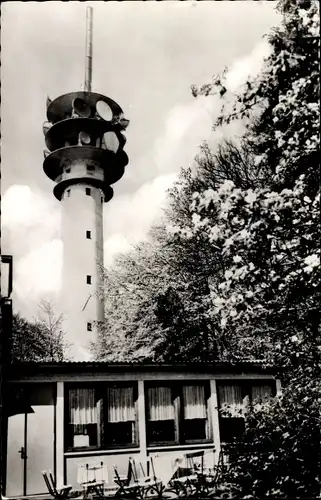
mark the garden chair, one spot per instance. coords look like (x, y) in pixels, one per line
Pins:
(145, 477)
(93, 477)
(126, 484)
(59, 493)
(181, 482)
(162, 469)
(195, 463)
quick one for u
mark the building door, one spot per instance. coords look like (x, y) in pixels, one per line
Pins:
(16, 461)
(40, 437)
(31, 440)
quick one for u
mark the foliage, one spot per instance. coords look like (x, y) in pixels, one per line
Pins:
(156, 296)
(40, 340)
(269, 238)
(279, 454)
(238, 264)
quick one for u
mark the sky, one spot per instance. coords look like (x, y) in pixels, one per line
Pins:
(146, 55)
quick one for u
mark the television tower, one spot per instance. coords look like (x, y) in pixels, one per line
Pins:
(84, 137)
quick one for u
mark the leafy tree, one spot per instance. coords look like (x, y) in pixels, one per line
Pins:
(156, 297)
(129, 330)
(269, 238)
(40, 340)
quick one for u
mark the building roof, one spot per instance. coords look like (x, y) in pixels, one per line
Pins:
(18, 370)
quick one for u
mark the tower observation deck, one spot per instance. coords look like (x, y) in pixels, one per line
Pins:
(85, 157)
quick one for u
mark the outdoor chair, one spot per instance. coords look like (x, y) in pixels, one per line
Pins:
(215, 479)
(126, 484)
(93, 477)
(146, 479)
(162, 469)
(181, 482)
(195, 463)
(63, 492)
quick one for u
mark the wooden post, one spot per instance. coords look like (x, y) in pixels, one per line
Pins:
(60, 469)
(215, 420)
(142, 420)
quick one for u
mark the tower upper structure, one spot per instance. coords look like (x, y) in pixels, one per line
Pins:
(85, 157)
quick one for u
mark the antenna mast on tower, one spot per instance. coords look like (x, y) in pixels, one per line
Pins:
(89, 49)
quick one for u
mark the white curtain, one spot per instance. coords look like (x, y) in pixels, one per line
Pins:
(82, 409)
(261, 392)
(194, 401)
(160, 403)
(230, 398)
(120, 404)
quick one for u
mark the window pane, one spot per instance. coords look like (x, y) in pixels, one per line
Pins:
(231, 400)
(120, 433)
(194, 402)
(261, 392)
(194, 429)
(120, 426)
(194, 411)
(231, 428)
(160, 415)
(120, 404)
(83, 417)
(160, 404)
(161, 431)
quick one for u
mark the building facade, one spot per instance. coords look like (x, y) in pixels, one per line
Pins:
(61, 416)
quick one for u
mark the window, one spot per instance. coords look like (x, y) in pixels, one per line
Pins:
(102, 200)
(88, 191)
(161, 415)
(120, 424)
(90, 169)
(101, 416)
(67, 170)
(83, 418)
(88, 279)
(89, 327)
(88, 235)
(233, 399)
(195, 413)
(232, 403)
(177, 414)
(68, 192)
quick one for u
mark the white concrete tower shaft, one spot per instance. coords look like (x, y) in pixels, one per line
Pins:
(83, 256)
(85, 142)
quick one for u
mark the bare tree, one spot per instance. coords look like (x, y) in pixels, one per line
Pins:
(50, 323)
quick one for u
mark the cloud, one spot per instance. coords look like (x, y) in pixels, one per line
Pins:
(31, 221)
(186, 126)
(39, 271)
(243, 67)
(127, 219)
(31, 209)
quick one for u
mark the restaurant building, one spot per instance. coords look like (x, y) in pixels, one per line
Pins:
(62, 415)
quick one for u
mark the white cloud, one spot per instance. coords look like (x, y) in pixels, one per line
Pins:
(22, 207)
(128, 218)
(243, 67)
(32, 219)
(39, 271)
(186, 126)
